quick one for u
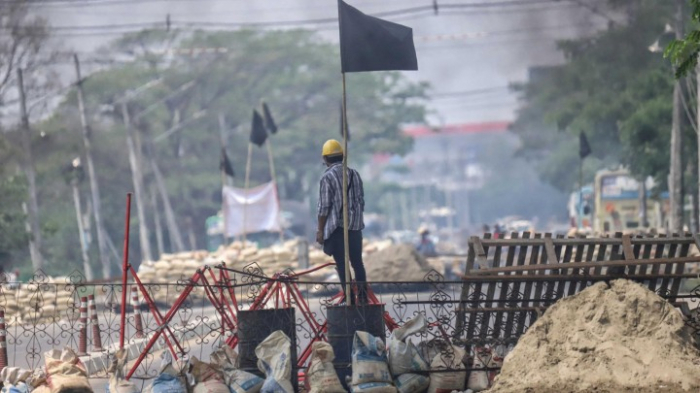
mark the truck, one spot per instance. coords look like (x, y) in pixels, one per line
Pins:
(613, 203)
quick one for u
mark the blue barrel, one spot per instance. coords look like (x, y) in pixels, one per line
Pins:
(343, 322)
(254, 327)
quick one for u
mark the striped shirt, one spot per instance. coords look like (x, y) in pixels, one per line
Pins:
(330, 199)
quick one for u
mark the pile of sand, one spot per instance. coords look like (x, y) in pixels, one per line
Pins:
(398, 262)
(605, 339)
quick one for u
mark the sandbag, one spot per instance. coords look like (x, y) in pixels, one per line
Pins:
(238, 381)
(211, 386)
(479, 380)
(117, 383)
(369, 361)
(373, 387)
(14, 380)
(65, 372)
(321, 376)
(274, 359)
(169, 379)
(446, 382)
(412, 383)
(404, 357)
(203, 372)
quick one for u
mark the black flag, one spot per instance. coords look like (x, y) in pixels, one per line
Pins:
(584, 149)
(372, 44)
(341, 122)
(269, 121)
(225, 164)
(258, 135)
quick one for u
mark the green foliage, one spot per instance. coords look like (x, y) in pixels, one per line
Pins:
(684, 53)
(295, 72)
(612, 88)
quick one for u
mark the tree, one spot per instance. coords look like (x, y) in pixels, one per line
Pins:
(23, 68)
(613, 88)
(294, 71)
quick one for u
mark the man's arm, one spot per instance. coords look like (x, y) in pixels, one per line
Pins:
(325, 197)
(319, 232)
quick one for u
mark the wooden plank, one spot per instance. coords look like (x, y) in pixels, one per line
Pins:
(552, 287)
(464, 295)
(615, 255)
(515, 291)
(549, 251)
(543, 260)
(668, 268)
(490, 293)
(479, 249)
(503, 293)
(571, 265)
(556, 277)
(602, 249)
(645, 254)
(679, 268)
(527, 291)
(627, 247)
(658, 254)
(568, 252)
(590, 256)
(635, 254)
(578, 257)
(573, 241)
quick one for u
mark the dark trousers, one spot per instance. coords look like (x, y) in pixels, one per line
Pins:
(335, 246)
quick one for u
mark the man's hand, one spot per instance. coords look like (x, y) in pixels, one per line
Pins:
(319, 237)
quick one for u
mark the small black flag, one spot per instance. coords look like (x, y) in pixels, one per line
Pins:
(258, 135)
(341, 123)
(584, 149)
(225, 164)
(372, 44)
(269, 121)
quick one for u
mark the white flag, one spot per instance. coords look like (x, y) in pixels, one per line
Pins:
(262, 210)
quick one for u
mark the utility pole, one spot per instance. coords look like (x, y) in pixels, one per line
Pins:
(174, 233)
(33, 206)
(676, 176)
(697, 169)
(158, 226)
(74, 181)
(137, 177)
(94, 186)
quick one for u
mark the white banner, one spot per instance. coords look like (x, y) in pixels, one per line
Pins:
(261, 206)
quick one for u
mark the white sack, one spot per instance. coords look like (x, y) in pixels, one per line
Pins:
(274, 359)
(369, 361)
(446, 382)
(321, 375)
(404, 357)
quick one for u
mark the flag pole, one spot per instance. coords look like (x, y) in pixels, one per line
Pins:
(348, 279)
(222, 136)
(273, 175)
(580, 194)
(247, 182)
(223, 184)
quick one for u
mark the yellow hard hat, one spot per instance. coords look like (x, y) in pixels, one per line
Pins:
(332, 148)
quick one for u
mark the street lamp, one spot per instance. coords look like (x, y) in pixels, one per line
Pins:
(74, 173)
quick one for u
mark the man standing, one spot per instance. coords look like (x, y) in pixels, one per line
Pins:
(330, 217)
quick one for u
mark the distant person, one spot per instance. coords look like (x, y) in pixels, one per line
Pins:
(330, 217)
(426, 246)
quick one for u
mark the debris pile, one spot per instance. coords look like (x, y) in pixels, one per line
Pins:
(398, 262)
(614, 338)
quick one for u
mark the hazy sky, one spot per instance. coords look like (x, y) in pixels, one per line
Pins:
(475, 51)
